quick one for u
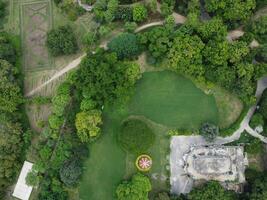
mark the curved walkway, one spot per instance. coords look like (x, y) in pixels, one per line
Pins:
(75, 63)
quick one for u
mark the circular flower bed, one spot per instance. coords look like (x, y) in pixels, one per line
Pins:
(143, 163)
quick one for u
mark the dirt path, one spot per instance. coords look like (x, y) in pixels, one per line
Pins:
(75, 63)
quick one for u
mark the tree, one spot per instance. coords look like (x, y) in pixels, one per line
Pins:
(258, 186)
(61, 41)
(125, 46)
(185, 55)
(70, 172)
(158, 41)
(55, 121)
(211, 190)
(238, 50)
(135, 136)
(103, 78)
(263, 104)
(139, 13)
(7, 49)
(136, 189)
(10, 149)
(110, 13)
(124, 13)
(209, 131)
(87, 125)
(259, 28)
(166, 9)
(212, 29)
(231, 10)
(2, 12)
(256, 120)
(11, 96)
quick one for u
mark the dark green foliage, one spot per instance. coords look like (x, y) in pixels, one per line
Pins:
(3, 12)
(124, 13)
(212, 29)
(256, 120)
(252, 145)
(259, 28)
(257, 187)
(185, 55)
(211, 190)
(102, 78)
(52, 189)
(10, 91)
(7, 49)
(61, 41)
(71, 172)
(209, 131)
(263, 104)
(125, 46)
(135, 136)
(157, 41)
(231, 10)
(261, 55)
(136, 189)
(10, 149)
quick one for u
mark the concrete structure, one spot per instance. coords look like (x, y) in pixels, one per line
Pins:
(220, 163)
(22, 190)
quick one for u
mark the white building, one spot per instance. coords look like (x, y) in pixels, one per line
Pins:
(22, 190)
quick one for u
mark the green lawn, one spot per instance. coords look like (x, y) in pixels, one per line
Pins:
(164, 100)
(172, 100)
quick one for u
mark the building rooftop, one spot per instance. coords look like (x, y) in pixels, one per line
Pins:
(220, 163)
(22, 190)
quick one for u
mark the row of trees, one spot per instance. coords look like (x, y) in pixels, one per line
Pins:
(13, 131)
(200, 50)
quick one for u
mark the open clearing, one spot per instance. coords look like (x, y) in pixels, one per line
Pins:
(172, 100)
(107, 164)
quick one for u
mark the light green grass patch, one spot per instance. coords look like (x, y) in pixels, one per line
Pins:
(172, 100)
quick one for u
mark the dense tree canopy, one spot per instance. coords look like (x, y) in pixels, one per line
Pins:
(231, 10)
(7, 49)
(125, 46)
(135, 136)
(212, 190)
(185, 55)
(87, 125)
(61, 41)
(259, 29)
(103, 78)
(139, 13)
(11, 96)
(71, 172)
(136, 189)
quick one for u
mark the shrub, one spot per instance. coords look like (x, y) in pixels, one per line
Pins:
(139, 13)
(87, 125)
(135, 136)
(209, 131)
(263, 104)
(124, 45)
(136, 189)
(124, 13)
(71, 172)
(61, 41)
(256, 120)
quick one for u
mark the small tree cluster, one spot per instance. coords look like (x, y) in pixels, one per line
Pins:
(61, 41)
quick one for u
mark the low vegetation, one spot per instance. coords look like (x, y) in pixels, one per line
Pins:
(135, 136)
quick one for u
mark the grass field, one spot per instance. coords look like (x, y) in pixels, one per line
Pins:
(173, 101)
(164, 100)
